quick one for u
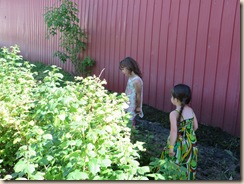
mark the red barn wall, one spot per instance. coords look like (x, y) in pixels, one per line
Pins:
(196, 42)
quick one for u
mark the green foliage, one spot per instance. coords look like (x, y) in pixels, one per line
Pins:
(66, 130)
(49, 132)
(16, 84)
(64, 20)
(166, 169)
(39, 69)
(86, 64)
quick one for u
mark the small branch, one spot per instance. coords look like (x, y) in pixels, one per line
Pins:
(101, 73)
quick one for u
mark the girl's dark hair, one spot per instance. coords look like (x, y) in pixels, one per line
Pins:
(181, 92)
(131, 65)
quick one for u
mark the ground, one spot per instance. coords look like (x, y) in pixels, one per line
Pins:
(219, 152)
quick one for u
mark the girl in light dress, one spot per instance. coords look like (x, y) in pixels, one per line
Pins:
(134, 88)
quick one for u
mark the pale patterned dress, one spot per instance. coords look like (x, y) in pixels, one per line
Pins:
(131, 93)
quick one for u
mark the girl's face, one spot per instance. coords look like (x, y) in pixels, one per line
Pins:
(174, 101)
(126, 72)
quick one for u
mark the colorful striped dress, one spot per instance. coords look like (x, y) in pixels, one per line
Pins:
(185, 148)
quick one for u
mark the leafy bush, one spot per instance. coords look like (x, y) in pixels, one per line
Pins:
(16, 84)
(75, 132)
(53, 129)
(40, 71)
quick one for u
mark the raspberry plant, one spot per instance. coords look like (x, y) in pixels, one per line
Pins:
(73, 132)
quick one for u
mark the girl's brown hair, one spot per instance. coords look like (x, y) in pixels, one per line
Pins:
(131, 65)
(181, 92)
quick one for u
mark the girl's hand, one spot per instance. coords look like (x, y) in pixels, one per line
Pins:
(171, 153)
(138, 110)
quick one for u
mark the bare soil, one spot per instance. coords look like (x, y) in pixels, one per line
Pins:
(219, 152)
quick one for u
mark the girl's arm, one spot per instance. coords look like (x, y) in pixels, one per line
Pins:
(173, 131)
(195, 123)
(138, 87)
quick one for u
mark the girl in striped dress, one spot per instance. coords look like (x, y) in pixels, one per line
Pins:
(181, 145)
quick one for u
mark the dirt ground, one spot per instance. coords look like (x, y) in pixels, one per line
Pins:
(219, 152)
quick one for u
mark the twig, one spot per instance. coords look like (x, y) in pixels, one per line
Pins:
(101, 73)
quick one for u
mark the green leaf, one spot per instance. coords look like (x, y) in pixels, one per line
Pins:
(38, 176)
(59, 75)
(30, 168)
(7, 177)
(20, 166)
(105, 162)
(77, 175)
(157, 176)
(143, 178)
(43, 161)
(62, 117)
(49, 157)
(48, 136)
(79, 143)
(17, 140)
(120, 175)
(143, 170)
(77, 153)
(94, 168)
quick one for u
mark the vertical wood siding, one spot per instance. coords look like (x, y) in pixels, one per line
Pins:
(196, 42)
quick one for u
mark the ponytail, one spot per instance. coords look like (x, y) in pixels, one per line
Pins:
(180, 113)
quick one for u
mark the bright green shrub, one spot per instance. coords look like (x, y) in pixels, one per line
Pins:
(75, 132)
(16, 84)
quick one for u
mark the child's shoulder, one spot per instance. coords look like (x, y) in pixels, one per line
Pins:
(136, 79)
(188, 108)
(188, 112)
(173, 113)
